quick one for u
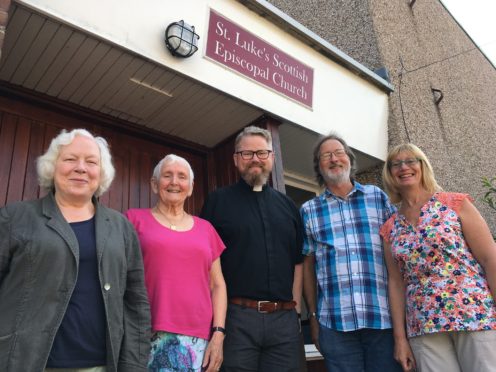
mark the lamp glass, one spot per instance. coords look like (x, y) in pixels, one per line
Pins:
(182, 39)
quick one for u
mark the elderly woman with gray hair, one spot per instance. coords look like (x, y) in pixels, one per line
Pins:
(183, 275)
(72, 293)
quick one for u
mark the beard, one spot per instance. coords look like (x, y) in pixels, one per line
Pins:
(256, 179)
(336, 178)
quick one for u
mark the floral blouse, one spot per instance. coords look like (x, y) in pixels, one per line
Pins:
(446, 288)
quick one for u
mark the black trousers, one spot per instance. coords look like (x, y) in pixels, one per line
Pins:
(261, 342)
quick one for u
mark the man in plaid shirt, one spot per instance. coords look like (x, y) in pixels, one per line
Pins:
(345, 277)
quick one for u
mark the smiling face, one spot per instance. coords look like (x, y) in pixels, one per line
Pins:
(174, 184)
(77, 170)
(254, 171)
(335, 166)
(406, 170)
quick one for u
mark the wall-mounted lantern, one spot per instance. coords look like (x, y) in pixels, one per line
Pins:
(181, 39)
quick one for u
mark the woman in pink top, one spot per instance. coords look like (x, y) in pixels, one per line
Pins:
(441, 261)
(183, 275)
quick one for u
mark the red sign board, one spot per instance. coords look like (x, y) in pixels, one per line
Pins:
(240, 50)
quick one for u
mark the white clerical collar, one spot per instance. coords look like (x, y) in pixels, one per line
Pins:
(257, 188)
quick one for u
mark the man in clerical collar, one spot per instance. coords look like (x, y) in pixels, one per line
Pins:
(262, 263)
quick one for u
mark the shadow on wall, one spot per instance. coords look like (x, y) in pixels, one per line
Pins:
(490, 196)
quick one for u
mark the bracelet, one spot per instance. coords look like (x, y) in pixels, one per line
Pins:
(219, 329)
(312, 314)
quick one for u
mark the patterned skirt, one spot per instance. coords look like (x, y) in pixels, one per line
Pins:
(172, 352)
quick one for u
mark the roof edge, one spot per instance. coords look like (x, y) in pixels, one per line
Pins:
(467, 34)
(278, 17)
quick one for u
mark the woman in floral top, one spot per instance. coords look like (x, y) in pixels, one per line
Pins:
(441, 261)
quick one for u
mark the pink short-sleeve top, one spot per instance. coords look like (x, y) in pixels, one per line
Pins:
(177, 273)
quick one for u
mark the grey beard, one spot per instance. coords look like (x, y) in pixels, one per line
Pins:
(335, 179)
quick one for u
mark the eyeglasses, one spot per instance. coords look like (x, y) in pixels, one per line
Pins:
(408, 162)
(340, 153)
(248, 155)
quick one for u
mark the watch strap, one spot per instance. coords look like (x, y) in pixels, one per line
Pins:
(218, 329)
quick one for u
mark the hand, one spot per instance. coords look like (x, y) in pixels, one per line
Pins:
(314, 331)
(212, 359)
(403, 354)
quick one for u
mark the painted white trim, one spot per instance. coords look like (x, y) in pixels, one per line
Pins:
(301, 182)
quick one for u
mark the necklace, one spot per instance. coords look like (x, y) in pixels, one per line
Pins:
(172, 226)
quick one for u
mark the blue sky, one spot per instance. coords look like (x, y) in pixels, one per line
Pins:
(477, 17)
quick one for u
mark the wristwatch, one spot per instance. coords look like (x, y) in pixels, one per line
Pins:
(219, 329)
(311, 314)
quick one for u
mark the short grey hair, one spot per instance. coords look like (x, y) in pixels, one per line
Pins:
(253, 131)
(172, 158)
(45, 164)
(316, 156)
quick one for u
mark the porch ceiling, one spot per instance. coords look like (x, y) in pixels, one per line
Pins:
(49, 57)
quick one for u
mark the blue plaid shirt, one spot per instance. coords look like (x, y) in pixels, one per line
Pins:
(351, 272)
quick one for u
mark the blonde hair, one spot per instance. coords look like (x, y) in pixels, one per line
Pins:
(427, 178)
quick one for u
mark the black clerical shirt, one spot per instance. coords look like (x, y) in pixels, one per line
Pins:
(262, 232)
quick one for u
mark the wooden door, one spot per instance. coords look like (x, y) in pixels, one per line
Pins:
(26, 130)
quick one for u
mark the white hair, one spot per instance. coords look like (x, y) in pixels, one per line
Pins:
(172, 158)
(45, 164)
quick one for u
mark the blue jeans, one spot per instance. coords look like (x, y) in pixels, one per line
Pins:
(364, 350)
